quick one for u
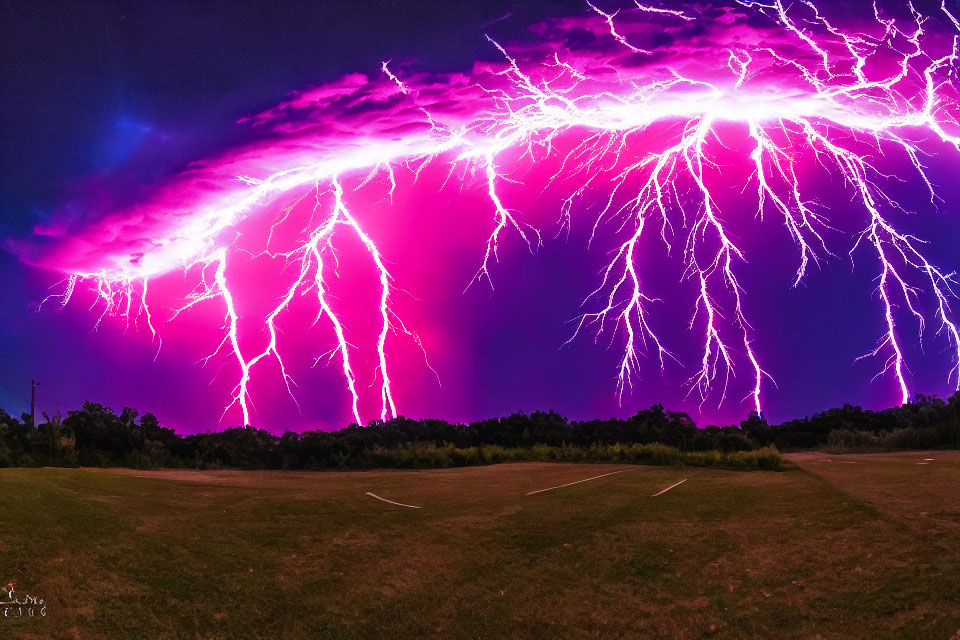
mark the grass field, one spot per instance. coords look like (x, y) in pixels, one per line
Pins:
(863, 546)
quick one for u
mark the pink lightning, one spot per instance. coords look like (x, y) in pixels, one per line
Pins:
(646, 130)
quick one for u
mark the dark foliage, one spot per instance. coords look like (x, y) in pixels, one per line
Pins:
(97, 436)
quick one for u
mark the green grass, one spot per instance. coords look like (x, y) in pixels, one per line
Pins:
(865, 550)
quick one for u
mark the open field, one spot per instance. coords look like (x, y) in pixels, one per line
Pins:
(830, 549)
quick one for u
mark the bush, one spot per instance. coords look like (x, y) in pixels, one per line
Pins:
(848, 440)
(911, 438)
(431, 456)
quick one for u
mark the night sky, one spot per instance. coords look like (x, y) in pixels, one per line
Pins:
(104, 101)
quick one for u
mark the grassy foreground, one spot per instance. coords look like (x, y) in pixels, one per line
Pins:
(857, 547)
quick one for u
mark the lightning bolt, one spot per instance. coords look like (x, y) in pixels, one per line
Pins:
(807, 91)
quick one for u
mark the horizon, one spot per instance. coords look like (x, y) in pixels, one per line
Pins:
(918, 399)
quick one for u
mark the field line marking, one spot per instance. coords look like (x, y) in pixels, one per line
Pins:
(399, 504)
(670, 487)
(569, 484)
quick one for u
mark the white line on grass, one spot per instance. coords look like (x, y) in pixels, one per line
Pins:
(670, 487)
(577, 482)
(399, 504)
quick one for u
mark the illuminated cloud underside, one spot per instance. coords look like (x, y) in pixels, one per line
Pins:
(638, 104)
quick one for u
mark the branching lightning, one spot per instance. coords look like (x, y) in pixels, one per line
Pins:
(651, 139)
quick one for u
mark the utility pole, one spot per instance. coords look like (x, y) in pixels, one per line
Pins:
(33, 402)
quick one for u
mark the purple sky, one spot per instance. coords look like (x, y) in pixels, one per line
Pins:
(112, 103)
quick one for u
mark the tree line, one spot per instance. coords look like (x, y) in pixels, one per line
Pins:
(96, 435)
